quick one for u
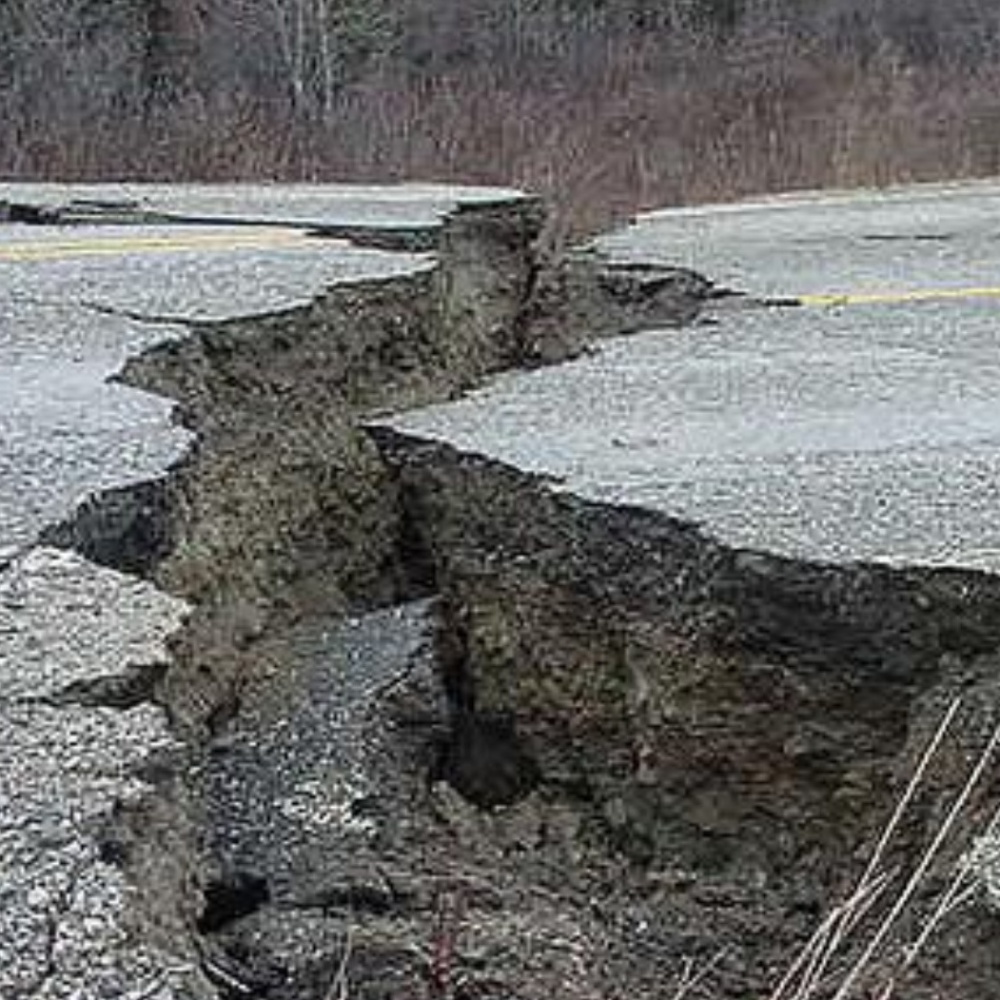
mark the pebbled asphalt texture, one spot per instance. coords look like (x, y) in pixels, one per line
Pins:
(291, 788)
(65, 768)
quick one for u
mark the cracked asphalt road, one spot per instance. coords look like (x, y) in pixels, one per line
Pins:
(72, 302)
(75, 302)
(836, 431)
(860, 425)
(309, 206)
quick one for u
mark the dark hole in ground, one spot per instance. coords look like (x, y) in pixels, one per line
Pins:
(113, 850)
(127, 528)
(26, 214)
(136, 686)
(233, 897)
(485, 762)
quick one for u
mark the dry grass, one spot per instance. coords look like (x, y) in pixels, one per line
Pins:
(856, 951)
(340, 988)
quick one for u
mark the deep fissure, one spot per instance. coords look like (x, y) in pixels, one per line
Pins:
(597, 684)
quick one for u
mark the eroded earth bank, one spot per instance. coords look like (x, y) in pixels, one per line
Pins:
(438, 729)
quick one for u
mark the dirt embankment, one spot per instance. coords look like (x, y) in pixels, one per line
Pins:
(623, 746)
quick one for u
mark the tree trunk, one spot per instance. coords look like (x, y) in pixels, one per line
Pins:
(173, 36)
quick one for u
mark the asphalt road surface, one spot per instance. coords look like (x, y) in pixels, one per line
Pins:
(861, 424)
(75, 302)
(309, 206)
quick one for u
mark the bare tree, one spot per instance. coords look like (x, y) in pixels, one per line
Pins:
(173, 36)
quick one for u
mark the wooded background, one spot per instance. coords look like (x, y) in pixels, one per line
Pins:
(605, 105)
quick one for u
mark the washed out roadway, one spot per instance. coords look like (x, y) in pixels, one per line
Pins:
(860, 424)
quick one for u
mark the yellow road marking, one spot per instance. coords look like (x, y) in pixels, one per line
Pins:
(105, 246)
(891, 298)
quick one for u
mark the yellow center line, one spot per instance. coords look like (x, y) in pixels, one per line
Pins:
(152, 244)
(890, 298)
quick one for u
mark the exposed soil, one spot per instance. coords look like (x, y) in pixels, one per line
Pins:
(454, 735)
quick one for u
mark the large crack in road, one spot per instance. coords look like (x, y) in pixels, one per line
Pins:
(438, 728)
